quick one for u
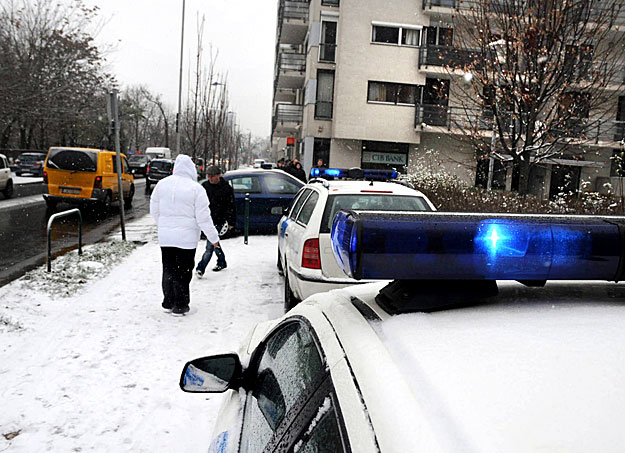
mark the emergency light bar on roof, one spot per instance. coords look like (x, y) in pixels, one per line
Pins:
(353, 173)
(444, 246)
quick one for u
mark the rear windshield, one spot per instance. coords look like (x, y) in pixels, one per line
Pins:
(160, 165)
(141, 159)
(369, 202)
(31, 157)
(72, 159)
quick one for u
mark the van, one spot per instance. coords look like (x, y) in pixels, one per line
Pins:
(158, 153)
(85, 175)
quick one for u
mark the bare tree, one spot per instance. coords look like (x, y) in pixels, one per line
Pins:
(541, 76)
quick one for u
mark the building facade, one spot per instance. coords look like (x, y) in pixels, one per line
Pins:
(359, 83)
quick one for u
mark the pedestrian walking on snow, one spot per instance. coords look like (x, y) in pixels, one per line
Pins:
(223, 212)
(181, 210)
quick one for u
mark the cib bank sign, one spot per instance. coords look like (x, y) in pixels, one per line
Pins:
(372, 157)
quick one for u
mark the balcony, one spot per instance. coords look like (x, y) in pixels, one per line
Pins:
(287, 119)
(447, 56)
(290, 70)
(292, 21)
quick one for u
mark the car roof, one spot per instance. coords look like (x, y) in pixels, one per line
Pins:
(259, 171)
(32, 154)
(353, 187)
(540, 368)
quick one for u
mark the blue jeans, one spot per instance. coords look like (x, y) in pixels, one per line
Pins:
(208, 253)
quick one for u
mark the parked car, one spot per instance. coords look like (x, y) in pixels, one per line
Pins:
(85, 175)
(157, 170)
(431, 362)
(270, 192)
(304, 248)
(139, 164)
(30, 163)
(6, 182)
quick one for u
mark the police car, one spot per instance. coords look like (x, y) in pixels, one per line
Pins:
(304, 251)
(485, 340)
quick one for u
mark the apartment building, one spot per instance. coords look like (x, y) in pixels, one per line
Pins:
(359, 83)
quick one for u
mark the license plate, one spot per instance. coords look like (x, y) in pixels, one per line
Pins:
(70, 190)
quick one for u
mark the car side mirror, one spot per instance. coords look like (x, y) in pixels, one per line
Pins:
(212, 374)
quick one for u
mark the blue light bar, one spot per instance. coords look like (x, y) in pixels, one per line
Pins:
(354, 173)
(439, 246)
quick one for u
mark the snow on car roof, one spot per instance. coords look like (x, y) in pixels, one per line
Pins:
(541, 368)
(351, 186)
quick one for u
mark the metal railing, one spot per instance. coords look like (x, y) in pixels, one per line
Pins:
(287, 113)
(290, 61)
(51, 221)
(327, 52)
(449, 56)
(290, 9)
(330, 2)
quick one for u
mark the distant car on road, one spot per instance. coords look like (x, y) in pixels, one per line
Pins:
(157, 170)
(271, 191)
(30, 163)
(139, 164)
(6, 182)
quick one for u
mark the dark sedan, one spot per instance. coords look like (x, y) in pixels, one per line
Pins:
(157, 170)
(270, 192)
(139, 164)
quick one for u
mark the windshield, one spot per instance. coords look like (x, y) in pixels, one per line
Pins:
(370, 202)
(72, 159)
(31, 157)
(138, 159)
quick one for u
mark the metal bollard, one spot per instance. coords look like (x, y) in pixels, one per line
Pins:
(246, 227)
(58, 216)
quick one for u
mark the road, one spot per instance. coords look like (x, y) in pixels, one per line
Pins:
(23, 228)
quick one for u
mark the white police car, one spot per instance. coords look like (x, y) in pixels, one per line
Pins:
(445, 358)
(304, 249)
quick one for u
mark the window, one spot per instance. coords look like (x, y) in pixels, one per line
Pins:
(245, 184)
(325, 94)
(276, 184)
(369, 202)
(2, 165)
(298, 204)
(125, 169)
(393, 93)
(439, 36)
(67, 159)
(401, 35)
(322, 433)
(321, 150)
(330, 2)
(327, 47)
(288, 371)
(307, 209)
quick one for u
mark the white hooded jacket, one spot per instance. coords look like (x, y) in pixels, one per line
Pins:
(180, 208)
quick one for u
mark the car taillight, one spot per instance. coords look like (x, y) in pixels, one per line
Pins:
(310, 254)
(148, 169)
(97, 184)
(37, 164)
(45, 177)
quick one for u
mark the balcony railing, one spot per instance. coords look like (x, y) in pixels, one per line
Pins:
(288, 61)
(590, 130)
(290, 9)
(323, 110)
(289, 113)
(448, 56)
(327, 52)
(495, 5)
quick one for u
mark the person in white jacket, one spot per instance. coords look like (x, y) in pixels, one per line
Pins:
(180, 208)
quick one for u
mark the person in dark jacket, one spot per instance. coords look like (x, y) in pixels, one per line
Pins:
(298, 171)
(224, 215)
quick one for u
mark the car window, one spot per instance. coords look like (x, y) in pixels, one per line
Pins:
(277, 184)
(1, 162)
(161, 165)
(243, 184)
(290, 368)
(308, 208)
(298, 204)
(322, 433)
(71, 159)
(126, 166)
(370, 202)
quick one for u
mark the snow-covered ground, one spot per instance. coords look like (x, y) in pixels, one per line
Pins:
(90, 361)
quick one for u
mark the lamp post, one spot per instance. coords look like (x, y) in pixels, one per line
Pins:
(180, 83)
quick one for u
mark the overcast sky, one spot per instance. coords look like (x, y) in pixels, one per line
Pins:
(146, 39)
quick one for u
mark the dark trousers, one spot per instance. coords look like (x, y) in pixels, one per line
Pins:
(177, 271)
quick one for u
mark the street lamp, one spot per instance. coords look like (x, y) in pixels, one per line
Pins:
(180, 83)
